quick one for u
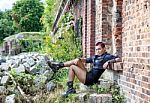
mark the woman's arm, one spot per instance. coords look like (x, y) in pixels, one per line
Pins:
(109, 62)
(114, 60)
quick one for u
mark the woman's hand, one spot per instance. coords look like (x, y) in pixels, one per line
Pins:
(105, 66)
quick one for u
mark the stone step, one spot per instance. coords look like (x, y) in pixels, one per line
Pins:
(100, 98)
(94, 98)
(89, 95)
(102, 83)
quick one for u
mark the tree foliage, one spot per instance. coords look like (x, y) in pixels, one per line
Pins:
(1, 14)
(27, 14)
(50, 12)
(6, 23)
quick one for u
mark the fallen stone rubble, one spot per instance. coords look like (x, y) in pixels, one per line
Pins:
(28, 63)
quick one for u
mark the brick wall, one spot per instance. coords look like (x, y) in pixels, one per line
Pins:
(125, 26)
(98, 28)
(135, 80)
(88, 40)
(104, 22)
(117, 27)
(84, 28)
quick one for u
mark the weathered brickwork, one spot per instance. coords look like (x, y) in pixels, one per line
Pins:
(84, 28)
(117, 27)
(90, 27)
(88, 36)
(124, 25)
(135, 80)
(98, 28)
(104, 22)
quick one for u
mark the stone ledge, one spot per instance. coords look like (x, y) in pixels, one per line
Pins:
(116, 66)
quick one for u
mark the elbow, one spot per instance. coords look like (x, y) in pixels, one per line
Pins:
(118, 59)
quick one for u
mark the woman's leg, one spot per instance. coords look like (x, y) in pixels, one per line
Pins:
(76, 68)
(77, 71)
(76, 62)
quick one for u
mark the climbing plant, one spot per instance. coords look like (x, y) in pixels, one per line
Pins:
(66, 46)
(116, 96)
(50, 11)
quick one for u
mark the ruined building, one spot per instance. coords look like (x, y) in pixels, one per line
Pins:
(124, 25)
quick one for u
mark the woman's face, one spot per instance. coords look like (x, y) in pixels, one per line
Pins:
(100, 50)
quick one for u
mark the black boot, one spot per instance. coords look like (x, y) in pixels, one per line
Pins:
(70, 89)
(55, 66)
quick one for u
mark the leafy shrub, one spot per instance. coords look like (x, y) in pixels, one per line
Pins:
(24, 80)
(67, 45)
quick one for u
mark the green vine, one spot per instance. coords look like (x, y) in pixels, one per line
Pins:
(116, 96)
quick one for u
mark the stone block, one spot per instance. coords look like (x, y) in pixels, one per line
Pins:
(33, 70)
(10, 99)
(26, 65)
(40, 81)
(92, 98)
(104, 83)
(100, 98)
(20, 69)
(83, 97)
(4, 80)
(47, 73)
(110, 75)
(2, 60)
(12, 52)
(11, 88)
(84, 87)
(2, 90)
(4, 67)
(2, 99)
(31, 62)
(50, 86)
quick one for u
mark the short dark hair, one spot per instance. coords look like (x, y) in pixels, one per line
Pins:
(101, 44)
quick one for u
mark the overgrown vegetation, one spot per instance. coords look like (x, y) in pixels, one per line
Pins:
(25, 81)
(73, 98)
(114, 90)
(26, 15)
(49, 15)
(116, 96)
(66, 46)
(6, 22)
(32, 41)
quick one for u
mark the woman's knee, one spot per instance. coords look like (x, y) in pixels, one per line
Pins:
(76, 61)
(75, 68)
(72, 66)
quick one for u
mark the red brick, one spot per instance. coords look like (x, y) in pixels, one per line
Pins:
(132, 38)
